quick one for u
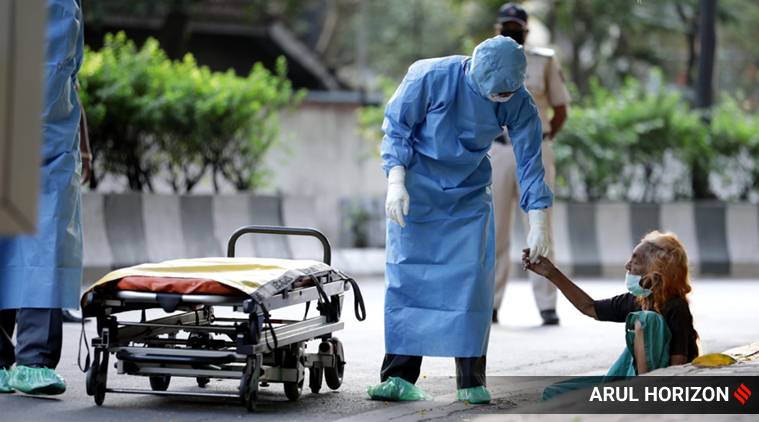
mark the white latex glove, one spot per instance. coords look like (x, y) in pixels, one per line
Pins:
(538, 239)
(396, 204)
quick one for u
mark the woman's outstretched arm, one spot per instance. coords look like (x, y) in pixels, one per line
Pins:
(577, 296)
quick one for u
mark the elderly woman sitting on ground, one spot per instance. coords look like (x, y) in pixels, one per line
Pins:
(659, 324)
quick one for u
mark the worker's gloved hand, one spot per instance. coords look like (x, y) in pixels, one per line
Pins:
(396, 204)
(538, 239)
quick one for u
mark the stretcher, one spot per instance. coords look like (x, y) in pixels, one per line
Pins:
(189, 340)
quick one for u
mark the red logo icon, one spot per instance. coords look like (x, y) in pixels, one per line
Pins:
(742, 394)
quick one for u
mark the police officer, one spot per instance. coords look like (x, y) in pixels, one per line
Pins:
(546, 84)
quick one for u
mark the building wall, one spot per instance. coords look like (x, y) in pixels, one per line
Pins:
(321, 160)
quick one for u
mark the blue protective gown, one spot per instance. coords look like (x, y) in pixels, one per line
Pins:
(45, 270)
(440, 125)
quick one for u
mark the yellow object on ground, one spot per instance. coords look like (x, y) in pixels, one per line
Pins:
(713, 360)
(244, 274)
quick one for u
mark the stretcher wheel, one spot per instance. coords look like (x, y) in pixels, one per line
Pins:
(202, 381)
(334, 375)
(315, 377)
(249, 384)
(99, 378)
(160, 382)
(293, 390)
(91, 376)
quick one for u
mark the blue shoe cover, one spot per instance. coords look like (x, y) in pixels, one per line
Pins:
(36, 381)
(473, 395)
(4, 386)
(397, 389)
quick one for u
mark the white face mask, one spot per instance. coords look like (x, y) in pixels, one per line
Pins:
(500, 98)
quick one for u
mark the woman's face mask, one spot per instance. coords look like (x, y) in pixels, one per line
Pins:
(633, 285)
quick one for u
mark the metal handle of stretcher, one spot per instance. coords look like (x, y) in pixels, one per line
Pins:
(288, 231)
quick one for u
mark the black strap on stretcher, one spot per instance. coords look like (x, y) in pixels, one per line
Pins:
(83, 336)
(267, 320)
(358, 300)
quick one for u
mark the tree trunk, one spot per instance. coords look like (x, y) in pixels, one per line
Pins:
(576, 67)
(134, 173)
(94, 180)
(551, 22)
(704, 93)
(691, 32)
(173, 34)
(214, 179)
(328, 27)
(707, 41)
(417, 22)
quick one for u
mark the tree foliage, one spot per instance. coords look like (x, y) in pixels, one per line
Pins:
(153, 117)
(645, 143)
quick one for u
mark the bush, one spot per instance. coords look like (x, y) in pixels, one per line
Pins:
(151, 116)
(627, 144)
(645, 144)
(735, 138)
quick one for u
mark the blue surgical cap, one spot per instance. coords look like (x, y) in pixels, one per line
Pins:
(498, 65)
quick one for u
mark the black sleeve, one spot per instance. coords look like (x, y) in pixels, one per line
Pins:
(680, 323)
(615, 308)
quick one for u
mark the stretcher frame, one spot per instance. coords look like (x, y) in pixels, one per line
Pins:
(255, 349)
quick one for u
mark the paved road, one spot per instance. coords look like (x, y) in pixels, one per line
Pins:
(724, 310)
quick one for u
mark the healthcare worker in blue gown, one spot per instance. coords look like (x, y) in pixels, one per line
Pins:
(439, 126)
(41, 273)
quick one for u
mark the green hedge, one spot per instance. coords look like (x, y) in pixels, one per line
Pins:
(153, 117)
(644, 143)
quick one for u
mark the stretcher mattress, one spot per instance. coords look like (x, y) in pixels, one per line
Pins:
(223, 276)
(183, 286)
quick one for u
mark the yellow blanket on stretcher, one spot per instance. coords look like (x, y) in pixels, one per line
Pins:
(244, 274)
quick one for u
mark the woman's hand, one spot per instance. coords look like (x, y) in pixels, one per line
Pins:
(543, 266)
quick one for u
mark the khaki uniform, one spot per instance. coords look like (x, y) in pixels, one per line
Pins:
(546, 85)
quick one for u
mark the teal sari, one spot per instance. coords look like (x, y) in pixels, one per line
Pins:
(656, 337)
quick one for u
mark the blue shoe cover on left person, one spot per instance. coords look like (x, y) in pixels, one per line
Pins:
(36, 381)
(4, 386)
(397, 389)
